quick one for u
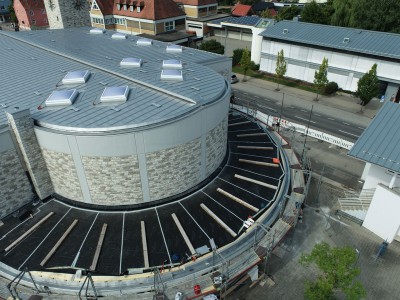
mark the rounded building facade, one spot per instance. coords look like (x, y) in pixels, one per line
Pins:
(131, 166)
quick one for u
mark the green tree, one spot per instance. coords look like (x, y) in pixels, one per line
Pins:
(321, 77)
(288, 13)
(315, 13)
(245, 62)
(368, 86)
(237, 55)
(281, 67)
(13, 17)
(266, 14)
(338, 273)
(212, 46)
(342, 13)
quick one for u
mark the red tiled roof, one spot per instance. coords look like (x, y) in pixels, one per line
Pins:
(242, 10)
(150, 9)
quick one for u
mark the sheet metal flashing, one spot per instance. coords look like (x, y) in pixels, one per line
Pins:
(379, 143)
(377, 43)
(53, 53)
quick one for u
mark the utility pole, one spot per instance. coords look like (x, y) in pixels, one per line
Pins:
(306, 134)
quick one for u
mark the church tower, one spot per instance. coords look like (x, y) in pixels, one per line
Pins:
(67, 13)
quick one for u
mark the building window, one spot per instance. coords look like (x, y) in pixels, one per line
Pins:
(33, 21)
(131, 8)
(119, 21)
(43, 11)
(95, 5)
(138, 9)
(2, 8)
(31, 12)
(169, 26)
(118, 6)
(125, 7)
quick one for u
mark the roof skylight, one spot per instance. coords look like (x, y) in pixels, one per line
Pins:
(172, 64)
(61, 98)
(171, 74)
(144, 42)
(114, 94)
(174, 48)
(131, 62)
(97, 31)
(119, 36)
(76, 77)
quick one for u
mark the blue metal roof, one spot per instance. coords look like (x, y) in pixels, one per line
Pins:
(360, 41)
(379, 143)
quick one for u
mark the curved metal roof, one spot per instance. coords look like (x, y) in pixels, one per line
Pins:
(44, 58)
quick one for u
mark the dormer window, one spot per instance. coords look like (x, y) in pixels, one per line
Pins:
(132, 8)
(118, 6)
(138, 9)
(125, 7)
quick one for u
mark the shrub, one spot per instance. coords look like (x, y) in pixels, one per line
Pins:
(331, 88)
(237, 55)
(254, 66)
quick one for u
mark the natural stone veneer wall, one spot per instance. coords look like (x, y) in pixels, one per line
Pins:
(15, 189)
(113, 180)
(216, 141)
(22, 126)
(174, 170)
(63, 174)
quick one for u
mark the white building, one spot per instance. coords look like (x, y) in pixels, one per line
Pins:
(350, 52)
(378, 147)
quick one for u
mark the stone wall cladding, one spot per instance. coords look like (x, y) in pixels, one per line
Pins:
(63, 174)
(216, 142)
(69, 14)
(26, 138)
(174, 170)
(113, 180)
(15, 188)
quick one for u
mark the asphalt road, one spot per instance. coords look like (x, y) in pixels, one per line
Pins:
(326, 123)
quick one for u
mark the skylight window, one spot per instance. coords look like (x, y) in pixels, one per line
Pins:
(172, 74)
(144, 42)
(174, 49)
(131, 62)
(114, 94)
(97, 31)
(76, 77)
(172, 64)
(61, 98)
(119, 36)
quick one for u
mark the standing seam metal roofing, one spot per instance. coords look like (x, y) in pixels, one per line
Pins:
(379, 143)
(361, 41)
(50, 54)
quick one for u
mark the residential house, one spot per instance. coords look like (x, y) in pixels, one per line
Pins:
(241, 10)
(4, 11)
(260, 7)
(150, 17)
(31, 14)
(198, 14)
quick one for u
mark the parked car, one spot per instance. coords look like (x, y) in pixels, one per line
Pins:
(234, 78)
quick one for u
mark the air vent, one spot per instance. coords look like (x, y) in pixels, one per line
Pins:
(175, 75)
(61, 98)
(131, 62)
(97, 31)
(172, 64)
(114, 94)
(119, 36)
(346, 40)
(285, 31)
(76, 77)
(144, 42)
(174, 49)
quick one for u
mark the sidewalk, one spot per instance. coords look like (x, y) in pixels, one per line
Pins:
(343, 105)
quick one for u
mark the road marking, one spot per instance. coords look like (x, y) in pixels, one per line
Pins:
(303, 110)
(361, 128)
(317, 115)
(245, 93)
(267, 99)
(256, 97)
(346, 123)
(297, 117)
(331, 119)
(292, 106)
(348, 133)
(267, 107)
